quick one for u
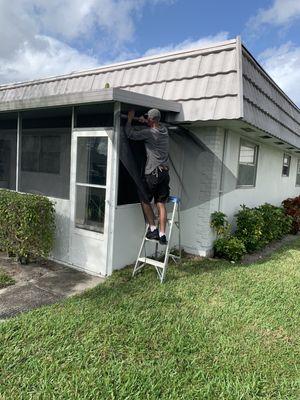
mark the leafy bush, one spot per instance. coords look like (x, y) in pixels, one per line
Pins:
(255, 228)
(229, 247)
(220, 223)
(250, 225)
(27, 224)
(226, 245)
(276, 222)
(292, 208)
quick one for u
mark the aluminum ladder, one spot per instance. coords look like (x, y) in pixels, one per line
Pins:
(161, 266)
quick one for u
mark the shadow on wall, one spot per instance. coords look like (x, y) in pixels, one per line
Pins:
(194, 168)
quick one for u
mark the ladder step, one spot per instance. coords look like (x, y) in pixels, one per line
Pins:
(150, 261)
(151, 240)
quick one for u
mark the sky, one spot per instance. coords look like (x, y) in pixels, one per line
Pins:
(41, 38)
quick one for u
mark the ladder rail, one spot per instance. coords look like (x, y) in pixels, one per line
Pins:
(167, 254)
(140, 252)
(161, 267)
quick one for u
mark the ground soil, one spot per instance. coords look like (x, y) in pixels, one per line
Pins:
(25, 273)
(39, 284)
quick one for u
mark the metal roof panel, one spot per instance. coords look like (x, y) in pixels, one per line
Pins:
(140, 75)
(209, 109)
(205, 87)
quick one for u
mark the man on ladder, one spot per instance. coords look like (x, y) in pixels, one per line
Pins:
(157, 179)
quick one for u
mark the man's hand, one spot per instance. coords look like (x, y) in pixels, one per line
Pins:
(143, 120)
(131, 114)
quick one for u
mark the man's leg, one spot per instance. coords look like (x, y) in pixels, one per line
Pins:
(148, 211)
(162, 212)
(161, 196)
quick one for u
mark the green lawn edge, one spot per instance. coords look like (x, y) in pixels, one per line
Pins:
(213, 330)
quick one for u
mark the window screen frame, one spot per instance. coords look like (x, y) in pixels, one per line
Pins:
(39, 152)
(256, 149)
(105, 132)
(47, 132)
(79, 183)
(11, 135)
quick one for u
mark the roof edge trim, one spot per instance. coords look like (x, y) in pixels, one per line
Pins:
(94, 96)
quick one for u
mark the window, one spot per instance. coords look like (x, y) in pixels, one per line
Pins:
(91, 183)
(8, 150)
(298, 174)
(41, 154)
(45, 162)
(286, 165)
(8, 159)
(247, 163)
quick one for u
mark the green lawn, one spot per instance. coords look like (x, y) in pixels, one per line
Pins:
(214, 330)
(5, 280)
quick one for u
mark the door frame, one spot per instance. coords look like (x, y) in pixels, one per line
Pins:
(104, 238)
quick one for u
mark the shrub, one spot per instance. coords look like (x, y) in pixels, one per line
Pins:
(220, 223)
(250, 224)
(229, 247)
(276, 222)
(226, 245)
(27, 224)
(292, 208)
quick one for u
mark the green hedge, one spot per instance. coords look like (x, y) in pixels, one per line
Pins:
(256, 227)
(27, 224)
(229, 247)
(250, 224)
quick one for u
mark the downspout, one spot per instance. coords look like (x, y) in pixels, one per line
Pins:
(221, 188)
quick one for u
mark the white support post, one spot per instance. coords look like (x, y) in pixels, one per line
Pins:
(114, 162)
(18, 156)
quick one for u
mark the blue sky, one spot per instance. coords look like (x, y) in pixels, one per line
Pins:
(41, 38)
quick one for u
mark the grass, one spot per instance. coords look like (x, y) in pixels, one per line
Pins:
(5, 280)
(214, 330)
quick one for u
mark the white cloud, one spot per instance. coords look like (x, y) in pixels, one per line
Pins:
(281, 13)
(41, 37)
(189, 44)
(52, 58)
(283, 65)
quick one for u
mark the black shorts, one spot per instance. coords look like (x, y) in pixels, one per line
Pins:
(157, 185)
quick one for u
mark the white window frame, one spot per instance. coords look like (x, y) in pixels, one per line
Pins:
(289, 165)
(256, 150)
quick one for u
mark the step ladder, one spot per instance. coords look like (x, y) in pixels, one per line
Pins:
(161, 266)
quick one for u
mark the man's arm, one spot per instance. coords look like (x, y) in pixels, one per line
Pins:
(132, 132)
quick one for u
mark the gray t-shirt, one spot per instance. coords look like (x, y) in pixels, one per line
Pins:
(156, 144)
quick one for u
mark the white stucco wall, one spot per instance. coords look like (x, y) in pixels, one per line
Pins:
(128, 234)
(195, 178)
(270, 186)
(61, 250)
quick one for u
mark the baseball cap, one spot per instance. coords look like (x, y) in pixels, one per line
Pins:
(154, 114)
